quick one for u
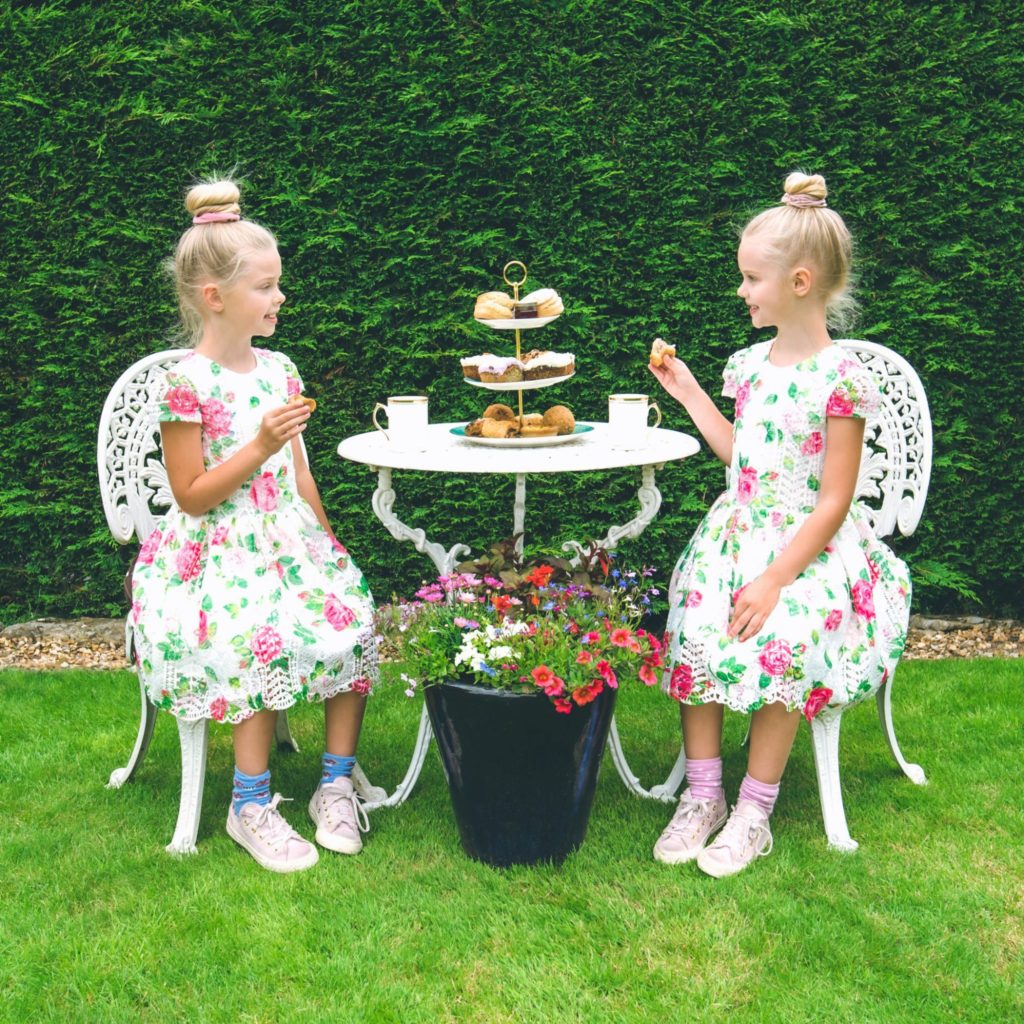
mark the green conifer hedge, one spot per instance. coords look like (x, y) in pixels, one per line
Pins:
(404, 150)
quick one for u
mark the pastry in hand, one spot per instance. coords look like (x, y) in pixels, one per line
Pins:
(498, 411)
(493, 306)
(309, 402)
(561, 418)
(659, 350)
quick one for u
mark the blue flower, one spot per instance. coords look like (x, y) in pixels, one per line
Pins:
(484, 667)
(547, 606)
(616, 574)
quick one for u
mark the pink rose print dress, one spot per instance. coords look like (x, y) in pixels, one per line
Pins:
(250, 606)
(839, 628)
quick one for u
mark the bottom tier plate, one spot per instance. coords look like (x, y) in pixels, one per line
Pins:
(522, 442)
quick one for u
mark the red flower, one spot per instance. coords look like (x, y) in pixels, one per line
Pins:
(817, 699)
(694, 598)
(813, 444)
(839, 402)
(746, 485)
(776, 657)
(218, 709)
(681, 684)
(266, 644)
(621, 637)
(863, 602)
(501, 603)
(833, 619)
(540, 576)
(742, 394)
(362, 685)
(588, 692)
(189, 561)
(182, 401)
(542, 675)
(202, 634)
(607, 673)
(592, 638)
(584, 658)
(264, 492)
(647, 674)
(339, 615)
(555, 688)
(873, 571)
(148, 550)
(563, 706)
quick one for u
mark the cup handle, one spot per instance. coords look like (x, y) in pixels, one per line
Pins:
(654, 406)
(376, 408)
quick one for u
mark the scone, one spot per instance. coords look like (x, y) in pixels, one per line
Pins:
(311, 402)
(493, 306)
(659, 350)
(548, 301)
(561, 418)
(498, 411)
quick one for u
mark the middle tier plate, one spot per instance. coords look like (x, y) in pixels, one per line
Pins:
(519, 324)
(519, 385)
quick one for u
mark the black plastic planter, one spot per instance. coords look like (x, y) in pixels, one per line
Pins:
(521, 775)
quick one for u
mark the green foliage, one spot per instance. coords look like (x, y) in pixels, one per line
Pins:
(402, 151)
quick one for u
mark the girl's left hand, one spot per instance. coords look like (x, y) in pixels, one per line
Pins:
(755, 603)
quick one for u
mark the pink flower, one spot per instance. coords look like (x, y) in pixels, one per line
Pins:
(588, 692)
(742, 394)
(362, 685)
(339, 615)
(584, 658)
(294, 387)
(203, 633)
(218, 709)
(182, 401)
(681, 684)
(833, 619)
(776, 657)
(621, 637)
(813, 444)
(736, 593)
(873, 571)
(264, 492)
(542, 675)
(149, 548)
(563, 706)
(592, 638)
(555, 688)
(266, 644)
(746, 485)
(216, 419)
(694, 598)
(608, 674)
(817, 699)
(219, 535)
(863, 602)
(839, 403)
(647, 674)
(189, 561)
(338, 546)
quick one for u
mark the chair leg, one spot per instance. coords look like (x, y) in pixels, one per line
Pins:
(193, 736)
(665, 791)
(914, 772)
(825, 739)
(119, 776)
(283, 733)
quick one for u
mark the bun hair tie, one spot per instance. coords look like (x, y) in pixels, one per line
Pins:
(801, 200)
(215, 217)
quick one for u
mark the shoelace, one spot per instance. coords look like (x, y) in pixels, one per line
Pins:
(277, 829)
(349, 807)
(685, 814)
(740, 829)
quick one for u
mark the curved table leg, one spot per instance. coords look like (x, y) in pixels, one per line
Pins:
(650, 502)
(383, 504)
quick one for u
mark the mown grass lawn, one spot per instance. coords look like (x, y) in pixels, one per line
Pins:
(923, 923)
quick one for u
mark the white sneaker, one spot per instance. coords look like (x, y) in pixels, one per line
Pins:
(745, 837)
(685, 835)
(339, 816)
(272, 842)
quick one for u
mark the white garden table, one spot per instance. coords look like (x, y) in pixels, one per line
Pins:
(443, 452)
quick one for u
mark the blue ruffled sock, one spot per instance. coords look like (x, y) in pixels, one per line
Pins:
(250, 789)
(336, 766)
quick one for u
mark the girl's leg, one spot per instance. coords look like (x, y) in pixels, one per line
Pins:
(252, 740)
(343, 719)
(702, 730)
(772, 732)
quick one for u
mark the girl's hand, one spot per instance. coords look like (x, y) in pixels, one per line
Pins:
(675, 377)
(753, 606)
(281, 425)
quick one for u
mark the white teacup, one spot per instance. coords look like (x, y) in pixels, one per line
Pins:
(407, 421)
(629, 420)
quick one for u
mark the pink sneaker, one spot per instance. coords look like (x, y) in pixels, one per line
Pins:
(688, 831)
(273, 843)
(339, 816)
(745, 837)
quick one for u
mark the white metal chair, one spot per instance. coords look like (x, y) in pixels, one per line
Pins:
(134, 488)
(895, 470)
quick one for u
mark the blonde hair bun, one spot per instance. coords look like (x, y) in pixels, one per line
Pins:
(810, 185)
(213, 197)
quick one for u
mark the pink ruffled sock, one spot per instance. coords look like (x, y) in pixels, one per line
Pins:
(764, 794)
(704, 777)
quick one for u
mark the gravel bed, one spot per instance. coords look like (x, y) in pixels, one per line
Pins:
(47, 644)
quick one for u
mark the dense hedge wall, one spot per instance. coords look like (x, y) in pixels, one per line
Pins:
(403, 150)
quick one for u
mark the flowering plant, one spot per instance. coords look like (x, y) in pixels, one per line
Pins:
(570, 631)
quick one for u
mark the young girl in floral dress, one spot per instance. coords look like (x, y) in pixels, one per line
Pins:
(786, 602)
(244, 602)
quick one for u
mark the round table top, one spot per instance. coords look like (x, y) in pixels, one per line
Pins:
(443, 452)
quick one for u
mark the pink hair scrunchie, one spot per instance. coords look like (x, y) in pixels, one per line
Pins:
(801, 201)
(215, 217)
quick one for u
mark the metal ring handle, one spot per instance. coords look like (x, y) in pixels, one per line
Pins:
(504, 273)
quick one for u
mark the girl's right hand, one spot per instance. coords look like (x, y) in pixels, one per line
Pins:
(675, 377)
(280, 426)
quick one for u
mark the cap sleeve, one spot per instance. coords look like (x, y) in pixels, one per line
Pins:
(857, 392)
(731, 374)
(179, 402)
(294, 381)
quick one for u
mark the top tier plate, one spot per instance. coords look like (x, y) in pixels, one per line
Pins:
(525, 323)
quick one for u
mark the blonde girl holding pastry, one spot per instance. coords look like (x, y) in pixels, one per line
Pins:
(244, 602)
(786, 602)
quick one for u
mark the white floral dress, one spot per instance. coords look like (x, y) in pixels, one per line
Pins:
(839, 628)
(252, 605)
